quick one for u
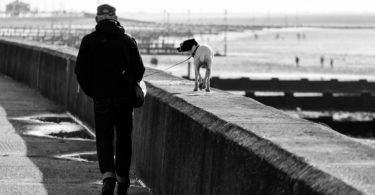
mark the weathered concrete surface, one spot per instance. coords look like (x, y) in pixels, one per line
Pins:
(210, 143)
(28, 164)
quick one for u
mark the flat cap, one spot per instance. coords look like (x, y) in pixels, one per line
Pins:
(106, 9)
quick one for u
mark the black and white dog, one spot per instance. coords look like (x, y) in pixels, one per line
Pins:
(203, 56)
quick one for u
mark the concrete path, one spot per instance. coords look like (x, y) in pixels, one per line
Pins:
(31, 164)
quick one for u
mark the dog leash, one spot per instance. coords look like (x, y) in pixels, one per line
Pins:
(169, 67)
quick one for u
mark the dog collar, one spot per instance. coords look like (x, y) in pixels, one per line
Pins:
(195, 50)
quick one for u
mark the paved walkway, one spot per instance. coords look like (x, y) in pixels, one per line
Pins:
(29, 164)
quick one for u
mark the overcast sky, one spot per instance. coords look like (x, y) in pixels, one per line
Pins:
(199, 6)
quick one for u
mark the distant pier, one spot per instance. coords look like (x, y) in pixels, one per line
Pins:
(152, 37)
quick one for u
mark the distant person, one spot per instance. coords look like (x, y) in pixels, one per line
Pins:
(322, 61)
(298, 36)
(108, 61)
(331, 62)
(154, 61)
(297, 61)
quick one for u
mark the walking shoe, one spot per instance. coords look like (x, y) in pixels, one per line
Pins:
(108, 186)
(122, 188)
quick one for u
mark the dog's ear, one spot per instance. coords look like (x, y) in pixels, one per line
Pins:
(194, 42)
(191, 42)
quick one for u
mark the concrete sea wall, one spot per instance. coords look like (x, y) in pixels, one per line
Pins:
(49, 70)
(208, 143)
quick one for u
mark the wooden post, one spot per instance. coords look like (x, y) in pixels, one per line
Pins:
(328, 99)
(366, 99)
(188, 70)
(250, 94)
(289, 99)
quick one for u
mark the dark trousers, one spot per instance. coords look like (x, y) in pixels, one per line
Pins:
(113, 114)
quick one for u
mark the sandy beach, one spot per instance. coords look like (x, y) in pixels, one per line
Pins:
(352, 52)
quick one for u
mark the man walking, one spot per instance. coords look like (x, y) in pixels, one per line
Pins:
(107, 60)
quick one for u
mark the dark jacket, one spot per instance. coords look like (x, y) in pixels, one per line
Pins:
(103, 56)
